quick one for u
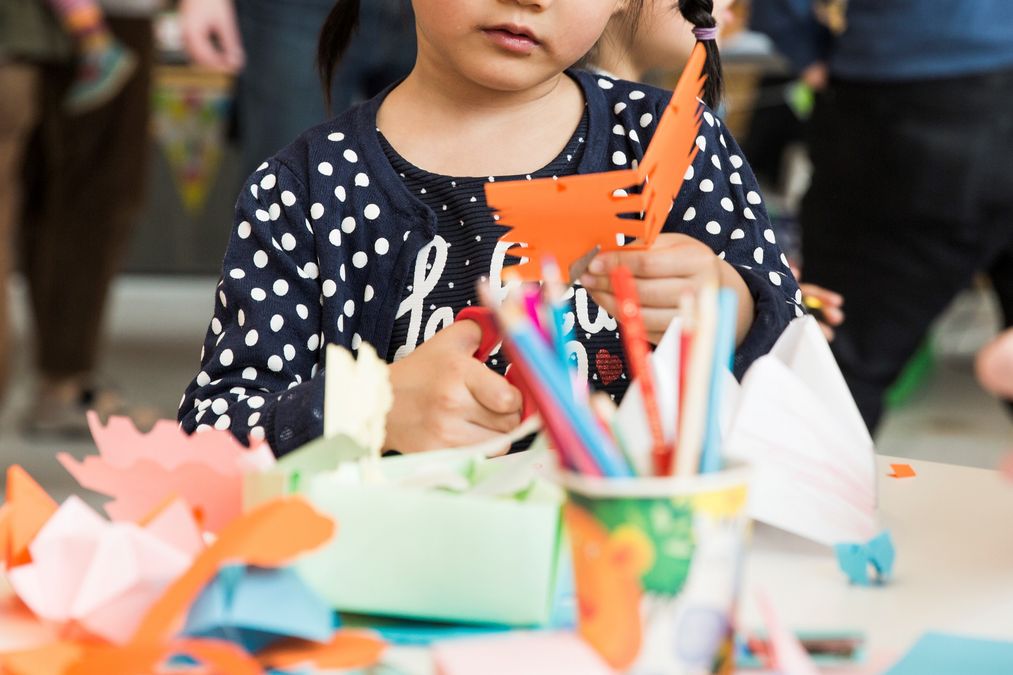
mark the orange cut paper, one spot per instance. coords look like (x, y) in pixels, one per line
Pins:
(567, 217)
(271, 535)
(25, 511)
(902, 471)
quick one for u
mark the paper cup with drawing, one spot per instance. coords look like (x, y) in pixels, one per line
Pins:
(658, 566)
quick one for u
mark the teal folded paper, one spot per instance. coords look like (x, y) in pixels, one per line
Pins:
(255, 607)
(943, 654)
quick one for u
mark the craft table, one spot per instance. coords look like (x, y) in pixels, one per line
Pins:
(953, 531)
(952, 528)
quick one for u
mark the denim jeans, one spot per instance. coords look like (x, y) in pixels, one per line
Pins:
(280, 94)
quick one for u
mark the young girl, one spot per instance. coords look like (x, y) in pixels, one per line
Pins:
(105, 64)
(373, 228)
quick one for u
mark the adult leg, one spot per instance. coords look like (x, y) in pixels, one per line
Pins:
(19, 111)
(280, 95)
(893, 220)
(87, 191)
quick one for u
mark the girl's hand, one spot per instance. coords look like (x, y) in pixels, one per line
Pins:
(445, 398)
(211, 34)
(676, 263)
(827, 307)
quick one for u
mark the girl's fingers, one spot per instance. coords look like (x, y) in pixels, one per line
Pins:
(659, 293)
(832, 315)
(656, 319)
(827, 297)
(678, 257)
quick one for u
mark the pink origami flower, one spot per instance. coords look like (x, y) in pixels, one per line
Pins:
(143, 471)
(88, 573)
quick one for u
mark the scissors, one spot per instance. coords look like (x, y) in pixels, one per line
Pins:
(491, 337)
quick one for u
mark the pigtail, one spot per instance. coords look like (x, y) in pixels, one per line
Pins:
(335, 37)
(700, 14)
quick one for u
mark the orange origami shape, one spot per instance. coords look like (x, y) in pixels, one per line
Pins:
(566, 218)
(22, 515)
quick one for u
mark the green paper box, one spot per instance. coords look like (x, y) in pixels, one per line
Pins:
(430, 553)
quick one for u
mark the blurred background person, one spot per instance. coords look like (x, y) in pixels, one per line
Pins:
(279, 93)
(912, 189)
(104, 63)
(994, 366)
(71, 186)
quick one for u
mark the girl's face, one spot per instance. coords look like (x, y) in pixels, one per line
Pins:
(508, 45)
(664, 39)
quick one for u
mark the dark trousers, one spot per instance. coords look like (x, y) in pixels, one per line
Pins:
(70, 190)
(280, 95)
(912, 196)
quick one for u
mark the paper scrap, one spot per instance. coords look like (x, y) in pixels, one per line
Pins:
(856, 559)
(357, 396)
(99, 576)
(547, 653)
(345, 650)
(901, 471)
(565, 218)
(786, 652)
(141, 471)
(22, 516)
(256, 608)
(271, 535)
(944, 654)
(819, 480)
(19, 628)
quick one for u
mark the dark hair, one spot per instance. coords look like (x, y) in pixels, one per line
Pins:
(334, 40)
(700, 14)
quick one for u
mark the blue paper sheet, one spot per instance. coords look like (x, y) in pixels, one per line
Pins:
(256, 607)
(943, 654)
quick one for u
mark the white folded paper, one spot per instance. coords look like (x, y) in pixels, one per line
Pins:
(797, 424)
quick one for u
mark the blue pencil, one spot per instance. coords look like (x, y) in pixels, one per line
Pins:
(724, 352)
(544, 363)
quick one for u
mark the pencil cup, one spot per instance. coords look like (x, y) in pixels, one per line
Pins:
(657, 566)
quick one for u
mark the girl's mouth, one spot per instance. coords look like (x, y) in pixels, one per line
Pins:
(512, 38)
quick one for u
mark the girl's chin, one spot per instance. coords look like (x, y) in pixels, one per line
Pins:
(508, 77)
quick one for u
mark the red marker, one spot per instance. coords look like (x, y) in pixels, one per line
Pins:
(635, 342)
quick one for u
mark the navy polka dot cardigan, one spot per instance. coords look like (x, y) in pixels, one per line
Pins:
(327, 236)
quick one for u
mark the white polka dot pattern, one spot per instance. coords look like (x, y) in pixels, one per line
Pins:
(320, 234)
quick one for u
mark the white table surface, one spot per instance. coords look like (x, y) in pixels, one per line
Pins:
(952, 527)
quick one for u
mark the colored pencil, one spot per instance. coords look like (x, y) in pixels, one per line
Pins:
(698, 377)
(637, 353)
(724, 353)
